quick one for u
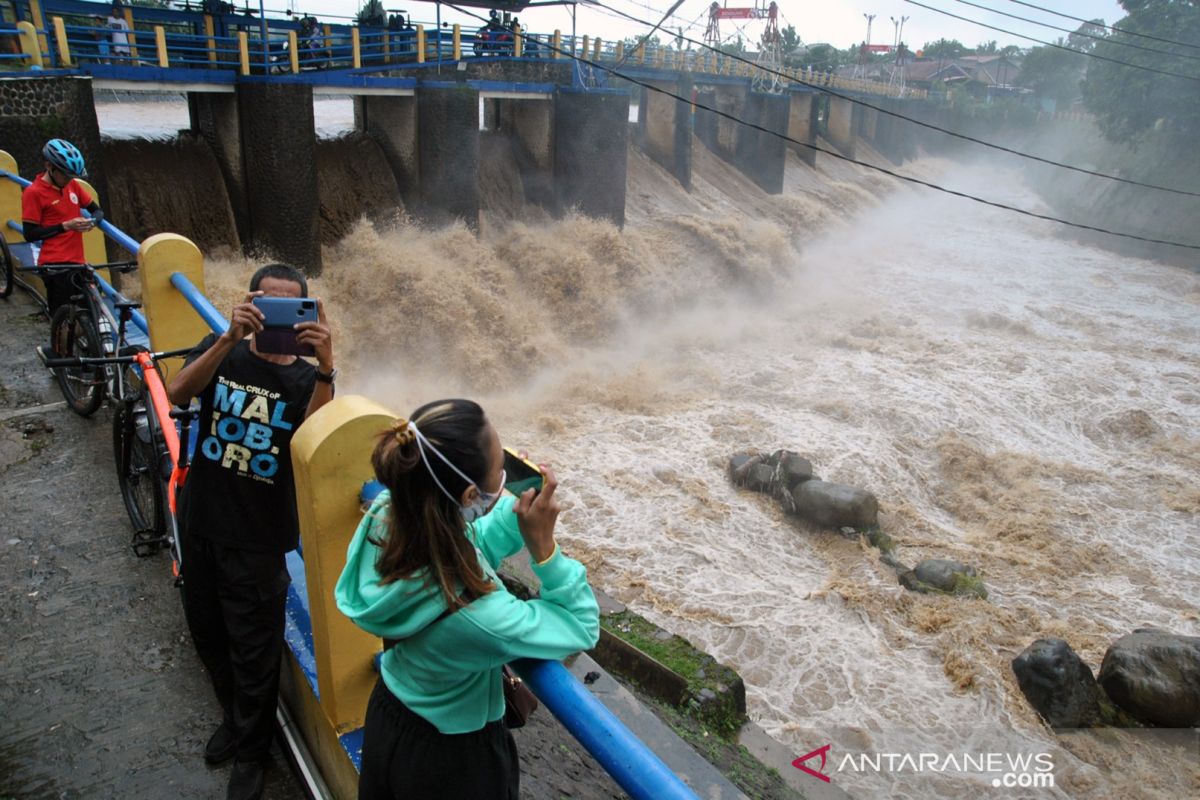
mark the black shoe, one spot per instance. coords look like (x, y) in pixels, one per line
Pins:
(221, 745)
(245, 781)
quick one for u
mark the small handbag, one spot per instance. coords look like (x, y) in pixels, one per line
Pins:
(519, 701)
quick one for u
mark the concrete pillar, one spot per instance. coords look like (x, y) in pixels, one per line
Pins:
(802, 124)
(761, 155)
(839, 126)
(717, 130)
(529, 124)
(214, 117)
(279, 151)
(392, 122)
(34, 109)
(665, 128)
(591, 137)
(448, 153)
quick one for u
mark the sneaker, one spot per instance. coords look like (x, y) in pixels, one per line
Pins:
(246, 781)
(221, 745)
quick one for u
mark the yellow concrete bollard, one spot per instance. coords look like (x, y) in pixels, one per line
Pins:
(457, 42)
(619, 53)
(60, 36)
(420, 44)
(294, 52)
(38, 19)
(244, 52)
(209, 31)
(29, 44)
(331, 459)
(172, 321)
(355, 49)
(94, 251)
(597, 48)
(518, 42)
(160, 44)
(133, 51)
(556, 44)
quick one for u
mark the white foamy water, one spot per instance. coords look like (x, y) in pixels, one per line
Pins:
(1017, 402)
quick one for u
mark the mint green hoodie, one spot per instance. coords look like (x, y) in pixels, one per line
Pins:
(449, 672)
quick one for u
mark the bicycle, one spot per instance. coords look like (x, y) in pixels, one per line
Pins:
(85, 328)
(151, 455)
(6, 269)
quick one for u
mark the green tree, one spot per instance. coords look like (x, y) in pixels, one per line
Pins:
(987, 48)
(1126, 101)
(823, 57)
(1053, 73)
(944, 48)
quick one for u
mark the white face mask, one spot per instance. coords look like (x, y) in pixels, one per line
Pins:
(482, 504)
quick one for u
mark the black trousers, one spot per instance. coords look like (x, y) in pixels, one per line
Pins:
(234, 603)
(404, 756)
(59, 290)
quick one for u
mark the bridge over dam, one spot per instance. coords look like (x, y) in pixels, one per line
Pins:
(564, 102)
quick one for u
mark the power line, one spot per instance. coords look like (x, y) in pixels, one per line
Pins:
(834, 154)
(1125, 31)
(912, 120)
(1080, 32)
(1052, 44)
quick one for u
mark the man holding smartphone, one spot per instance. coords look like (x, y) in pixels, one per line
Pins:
(238, 514)
(51, 214)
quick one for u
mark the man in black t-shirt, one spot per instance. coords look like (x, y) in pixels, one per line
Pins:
(238, 513)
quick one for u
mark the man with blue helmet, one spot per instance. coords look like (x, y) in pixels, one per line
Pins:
(51, 214)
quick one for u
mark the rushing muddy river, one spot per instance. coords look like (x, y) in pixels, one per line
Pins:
(1016, 401)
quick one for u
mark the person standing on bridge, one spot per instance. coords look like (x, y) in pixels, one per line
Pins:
(238, 514)
(51, 213)
(421, 573)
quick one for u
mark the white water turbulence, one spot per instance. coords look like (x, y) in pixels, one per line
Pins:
(1017, 402)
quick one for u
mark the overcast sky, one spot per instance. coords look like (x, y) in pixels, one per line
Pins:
(839, 22)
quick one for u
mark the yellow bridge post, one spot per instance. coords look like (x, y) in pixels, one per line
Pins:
(160, 44)
(328, 30)
(619, 52)
(420, 44)
(331, 459)
(557, 43)
(355, 49)
(133, 51)
(583, 52)
(244, 52)
(294, 51)
(518, 42)
(209, 31)
(597, 49)
(60, 36)
(172, 321)
(39, 23)
(457, 42)
(29, 44)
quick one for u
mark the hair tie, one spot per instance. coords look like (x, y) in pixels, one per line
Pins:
(404, 431)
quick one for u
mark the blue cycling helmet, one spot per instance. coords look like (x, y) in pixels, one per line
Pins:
(66, 157)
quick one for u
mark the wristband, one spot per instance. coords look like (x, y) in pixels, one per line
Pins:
(548, 558)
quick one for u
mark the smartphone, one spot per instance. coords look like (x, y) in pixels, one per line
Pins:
(520, 473)
(280, 314)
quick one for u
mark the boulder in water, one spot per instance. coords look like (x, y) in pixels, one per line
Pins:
(739, 465)
(1058, 684)
(943, 576)
(794, 468)
(834, 505)
(1155, 676)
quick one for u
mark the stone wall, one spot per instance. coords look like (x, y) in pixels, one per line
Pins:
(34, 109)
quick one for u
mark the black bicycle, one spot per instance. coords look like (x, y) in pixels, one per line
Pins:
(87, 330)
(151, 455)
(7, 281)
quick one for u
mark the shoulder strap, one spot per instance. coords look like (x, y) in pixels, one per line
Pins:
(388, 644)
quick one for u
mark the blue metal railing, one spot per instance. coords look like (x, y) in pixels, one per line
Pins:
(207, 311)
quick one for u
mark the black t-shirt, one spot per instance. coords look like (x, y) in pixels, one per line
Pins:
(239, 490)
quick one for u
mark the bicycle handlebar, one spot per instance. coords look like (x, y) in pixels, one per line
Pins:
(80, 361)
(115, 266)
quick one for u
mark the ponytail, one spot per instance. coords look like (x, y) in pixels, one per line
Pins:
(426, 530)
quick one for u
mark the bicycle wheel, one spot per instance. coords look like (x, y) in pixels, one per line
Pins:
(73, 334)
(138, 476)
(6, 269)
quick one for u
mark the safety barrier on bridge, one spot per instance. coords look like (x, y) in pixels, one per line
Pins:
(330, 671)
(66, 34)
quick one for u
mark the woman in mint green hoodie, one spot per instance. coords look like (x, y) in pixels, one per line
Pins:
(421, 572)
